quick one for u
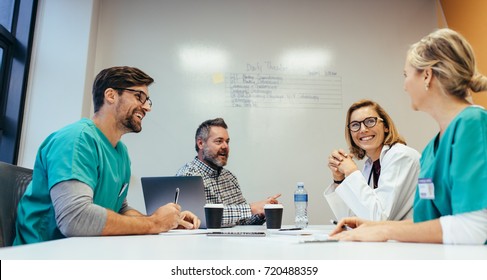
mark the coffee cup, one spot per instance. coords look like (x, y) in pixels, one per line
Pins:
(213, 215)
(273, 215)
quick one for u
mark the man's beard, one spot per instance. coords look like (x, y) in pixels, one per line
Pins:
(132, 123)
(213, 158)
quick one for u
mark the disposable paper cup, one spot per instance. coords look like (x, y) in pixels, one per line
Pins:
(213, 215)
(273, 215)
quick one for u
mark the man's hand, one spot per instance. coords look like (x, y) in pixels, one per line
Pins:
(257, 208)
(166, 217)
(188, 220)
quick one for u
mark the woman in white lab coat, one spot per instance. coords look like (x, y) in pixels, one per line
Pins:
(385, 188)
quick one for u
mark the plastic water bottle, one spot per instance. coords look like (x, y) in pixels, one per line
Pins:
(301, 206)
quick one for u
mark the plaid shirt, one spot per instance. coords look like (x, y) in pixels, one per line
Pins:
(221, 186)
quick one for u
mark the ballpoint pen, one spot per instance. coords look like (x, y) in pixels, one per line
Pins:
(345, 227)
(124, 186)
(176, 196)
(286, 229)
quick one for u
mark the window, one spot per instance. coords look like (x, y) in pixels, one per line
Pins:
(6, 13)
(2, 90)
(17, 19)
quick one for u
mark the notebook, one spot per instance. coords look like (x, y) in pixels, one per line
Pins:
(159, 191)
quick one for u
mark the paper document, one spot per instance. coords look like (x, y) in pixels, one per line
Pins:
(298, 232)
(316, 238)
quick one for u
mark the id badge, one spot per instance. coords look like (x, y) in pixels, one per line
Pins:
(426, 188)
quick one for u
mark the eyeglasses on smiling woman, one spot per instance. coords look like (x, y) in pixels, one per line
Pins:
(368, 122)
(141, 96)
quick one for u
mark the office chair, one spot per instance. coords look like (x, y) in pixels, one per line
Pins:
(13, 182)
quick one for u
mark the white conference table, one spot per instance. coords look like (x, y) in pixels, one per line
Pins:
(202, 247)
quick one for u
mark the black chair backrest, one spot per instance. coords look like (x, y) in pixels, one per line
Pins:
(13, 182)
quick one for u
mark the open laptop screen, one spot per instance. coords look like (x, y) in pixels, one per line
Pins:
(159, 191)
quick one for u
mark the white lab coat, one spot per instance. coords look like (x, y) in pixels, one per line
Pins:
(394, 196)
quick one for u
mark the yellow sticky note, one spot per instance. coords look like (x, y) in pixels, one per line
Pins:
(218, 78)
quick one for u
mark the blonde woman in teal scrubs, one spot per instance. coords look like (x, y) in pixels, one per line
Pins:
(450, 204)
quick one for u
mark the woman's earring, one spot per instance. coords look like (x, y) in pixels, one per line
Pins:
(426, 86)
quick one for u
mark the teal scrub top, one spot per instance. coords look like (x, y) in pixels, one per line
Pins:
(457, 165)
(79, 151)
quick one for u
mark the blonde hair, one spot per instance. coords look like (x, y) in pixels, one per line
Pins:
(452, 61)
(390, 138)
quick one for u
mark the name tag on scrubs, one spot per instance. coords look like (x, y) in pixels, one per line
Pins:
(426, 188)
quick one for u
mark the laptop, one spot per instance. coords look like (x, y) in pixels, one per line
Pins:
(159, 191)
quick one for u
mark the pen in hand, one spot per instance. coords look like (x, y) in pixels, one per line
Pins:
(344, 227)
(176, 197)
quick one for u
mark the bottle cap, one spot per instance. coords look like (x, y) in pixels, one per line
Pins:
(300, 184)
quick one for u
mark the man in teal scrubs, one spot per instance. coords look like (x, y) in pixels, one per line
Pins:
(82, 172)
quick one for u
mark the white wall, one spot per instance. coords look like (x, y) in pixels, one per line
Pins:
(271, 148)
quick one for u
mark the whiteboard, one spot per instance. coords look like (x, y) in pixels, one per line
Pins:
(281, 73)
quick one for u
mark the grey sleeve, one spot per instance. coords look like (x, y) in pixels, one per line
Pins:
(76, 214)
(125, 207)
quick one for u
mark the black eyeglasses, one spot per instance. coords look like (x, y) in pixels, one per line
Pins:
(368, 122)
(141, 96)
